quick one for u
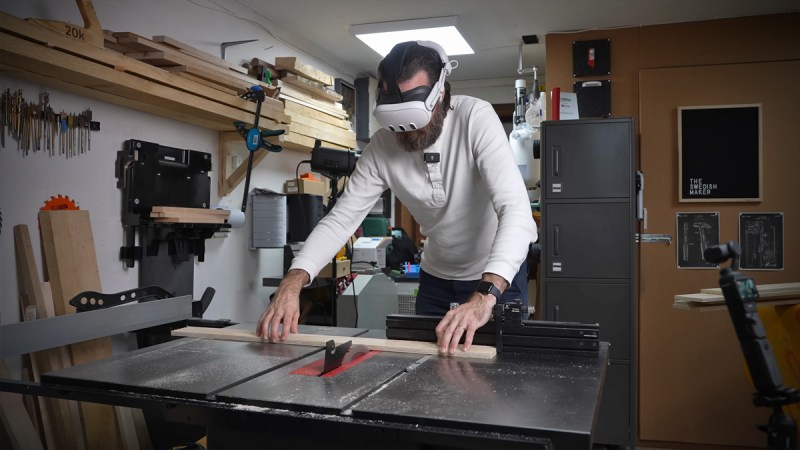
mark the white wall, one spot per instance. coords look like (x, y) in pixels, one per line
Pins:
(27, 181)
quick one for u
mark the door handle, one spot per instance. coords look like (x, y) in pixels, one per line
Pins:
(556, 235)
(556, 161)
(556, 310)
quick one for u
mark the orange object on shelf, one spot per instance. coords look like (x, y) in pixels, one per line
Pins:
(309, 176)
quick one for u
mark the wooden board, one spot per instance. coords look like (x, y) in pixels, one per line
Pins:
(288, 90)
(227, 140)
(294, 109)
(205, 82)
(769, 294)
(297, 83)
(171, 53)
(766, 290)
(72, 266)
(55, 413)
(199, 211)
(697, 306)
(188, 49)
(17, 424)
(158, 59)
(345, 138)
(302, 124)
(172, 214)
(188, 220)
(389, 345)
(209, 76)
(91, 32)
(329, 110)
(71, 414)
(291, 64)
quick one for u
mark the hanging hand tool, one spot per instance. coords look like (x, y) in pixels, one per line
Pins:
(254, 137)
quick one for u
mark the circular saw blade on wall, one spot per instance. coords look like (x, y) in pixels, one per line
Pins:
(60, 202)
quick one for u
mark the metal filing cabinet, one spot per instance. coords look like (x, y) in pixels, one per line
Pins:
(589, 256)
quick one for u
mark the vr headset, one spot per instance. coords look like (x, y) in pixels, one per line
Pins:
(410, 110)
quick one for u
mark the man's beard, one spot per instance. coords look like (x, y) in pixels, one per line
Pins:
(413, 141)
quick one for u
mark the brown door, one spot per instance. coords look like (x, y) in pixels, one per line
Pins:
(693, 385)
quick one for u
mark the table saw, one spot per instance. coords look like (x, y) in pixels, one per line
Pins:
(249, 394)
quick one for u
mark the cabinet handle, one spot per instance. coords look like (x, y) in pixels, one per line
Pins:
(556, 163)
(556, 309)
(556, 233)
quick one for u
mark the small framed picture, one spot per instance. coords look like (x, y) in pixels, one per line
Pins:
(696, 232)
(761, 240)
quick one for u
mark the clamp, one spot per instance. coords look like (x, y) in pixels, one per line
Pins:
(254, 137)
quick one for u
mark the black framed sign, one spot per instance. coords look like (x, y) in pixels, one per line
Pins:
(591, 58)
(761, 240)
(719, 153)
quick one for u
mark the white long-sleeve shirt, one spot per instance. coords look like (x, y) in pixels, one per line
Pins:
(472, 205)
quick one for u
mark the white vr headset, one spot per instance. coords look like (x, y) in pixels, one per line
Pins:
(411, 110)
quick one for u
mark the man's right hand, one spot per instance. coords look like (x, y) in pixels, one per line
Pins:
(284, 307)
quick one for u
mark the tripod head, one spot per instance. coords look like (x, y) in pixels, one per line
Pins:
(721, 253)
(741, 296)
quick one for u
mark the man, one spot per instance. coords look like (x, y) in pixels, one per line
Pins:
(450, 163)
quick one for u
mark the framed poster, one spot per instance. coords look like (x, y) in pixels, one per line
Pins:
(696, 232)
(719, 153)
(594, 98)
(591, 58)
(761, 240)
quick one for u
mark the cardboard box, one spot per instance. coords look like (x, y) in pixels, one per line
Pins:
(305, 187)
(342, 269)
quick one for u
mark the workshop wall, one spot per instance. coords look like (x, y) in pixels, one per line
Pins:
(26, 181)
(693, 386)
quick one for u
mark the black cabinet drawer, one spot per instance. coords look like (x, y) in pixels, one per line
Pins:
(606, 304)
(587, 240)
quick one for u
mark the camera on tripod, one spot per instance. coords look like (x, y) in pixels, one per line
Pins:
(741, 296)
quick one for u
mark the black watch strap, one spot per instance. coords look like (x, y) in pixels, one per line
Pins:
(487, 287)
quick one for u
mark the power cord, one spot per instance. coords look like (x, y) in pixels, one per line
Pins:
(355, 296)
(297, 180)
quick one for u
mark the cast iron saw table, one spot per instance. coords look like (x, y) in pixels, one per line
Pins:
(255, 394)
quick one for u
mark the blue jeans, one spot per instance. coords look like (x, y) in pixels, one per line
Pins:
(435, 294)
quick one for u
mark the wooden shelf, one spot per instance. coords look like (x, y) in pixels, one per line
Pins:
(109, 76)
(711, 299)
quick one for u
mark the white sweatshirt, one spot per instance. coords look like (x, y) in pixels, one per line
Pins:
(472, 205)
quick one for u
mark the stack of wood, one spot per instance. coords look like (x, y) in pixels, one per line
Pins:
(314, 107)
(185, 61)
(174, 214)
(160, 75)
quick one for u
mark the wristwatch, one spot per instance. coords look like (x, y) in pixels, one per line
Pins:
(487, 287)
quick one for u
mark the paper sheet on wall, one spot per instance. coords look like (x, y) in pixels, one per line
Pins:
(569, 106)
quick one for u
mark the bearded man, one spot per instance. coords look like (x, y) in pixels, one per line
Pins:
(456, 175)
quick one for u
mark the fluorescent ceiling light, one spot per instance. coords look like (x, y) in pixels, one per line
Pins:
(382, 36)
